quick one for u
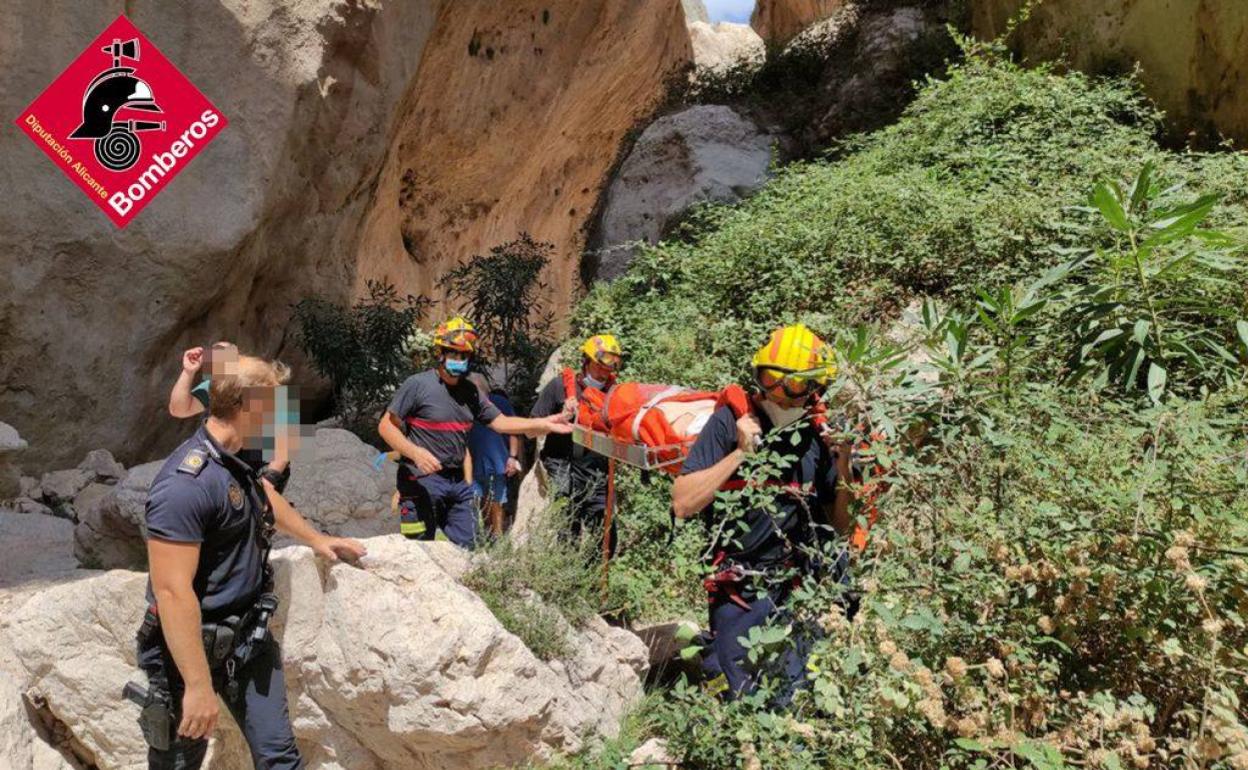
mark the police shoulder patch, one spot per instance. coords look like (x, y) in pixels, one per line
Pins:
(236, 496)
(194, 462)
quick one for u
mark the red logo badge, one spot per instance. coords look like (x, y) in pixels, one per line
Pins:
(121, 121)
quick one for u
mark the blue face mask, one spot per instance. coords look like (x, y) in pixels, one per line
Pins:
(456, 368)
(590, 382)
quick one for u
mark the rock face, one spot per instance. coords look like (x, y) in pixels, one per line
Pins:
(511, 126)
(332, 482)
(695, 10)
(92, 320)
(366, 140)
(703, 153)
(717, 47)
(109, 533)
(1191, 54)
(869, 85)
(395, 665)
(779, 21)
(21, 744)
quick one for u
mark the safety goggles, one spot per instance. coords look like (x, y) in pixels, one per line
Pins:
(609, 361)
(793, 383)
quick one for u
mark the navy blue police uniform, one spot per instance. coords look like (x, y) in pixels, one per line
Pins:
(576, 474)
(253, 457)
(437, 416)
(204, 494)
(756, 556)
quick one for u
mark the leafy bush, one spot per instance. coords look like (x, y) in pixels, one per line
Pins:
(1160, 301)
(1059, 579)
(501, 292)
(364, 350)
(537, 587)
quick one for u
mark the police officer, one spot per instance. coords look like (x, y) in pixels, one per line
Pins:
(427, 423)
(186, 400)
(209, 523)
(576, 473)
(755, 557)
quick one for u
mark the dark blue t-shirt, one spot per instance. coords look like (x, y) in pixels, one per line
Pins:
(203, 494)
(762, 538)
(437, 416)
(490, 448)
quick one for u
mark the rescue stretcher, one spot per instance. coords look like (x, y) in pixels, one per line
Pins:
(653, 427)
(650, 427)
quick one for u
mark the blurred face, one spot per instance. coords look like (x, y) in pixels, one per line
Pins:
(222, 360)
(257, 417)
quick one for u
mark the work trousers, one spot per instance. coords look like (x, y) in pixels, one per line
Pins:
(260, 711)
(438, 501)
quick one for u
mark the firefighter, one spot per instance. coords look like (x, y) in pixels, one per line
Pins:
(427, 423)
(756, 558)
(575, 472)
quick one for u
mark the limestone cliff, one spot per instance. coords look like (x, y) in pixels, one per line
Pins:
(1193, 55)
(92, 319)
(779, 21)
(367, 139)
(512, 124)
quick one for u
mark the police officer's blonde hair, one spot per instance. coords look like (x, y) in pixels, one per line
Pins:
(226, 392)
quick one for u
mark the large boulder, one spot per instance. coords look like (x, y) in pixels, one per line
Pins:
(109, 532)
(336, 485)
(719, 47)
(878, 53)
(702, 153)
(392, 665)
(333, 483)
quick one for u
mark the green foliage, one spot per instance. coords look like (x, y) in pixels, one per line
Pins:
(1059, 577)
(536, 588)
(1158, 309)
(965, 191)
(364, 350)
(502, 293)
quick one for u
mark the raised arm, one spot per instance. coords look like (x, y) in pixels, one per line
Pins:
(182, 402)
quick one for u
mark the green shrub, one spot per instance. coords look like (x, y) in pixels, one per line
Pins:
(1059, 578)
(364, 350)
(537, 587)
(501, 292)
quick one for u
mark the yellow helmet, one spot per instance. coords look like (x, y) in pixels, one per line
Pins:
(456, 334)
(605, 349)
(796, 353)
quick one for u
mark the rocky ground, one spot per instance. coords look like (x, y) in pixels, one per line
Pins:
(391, 664)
